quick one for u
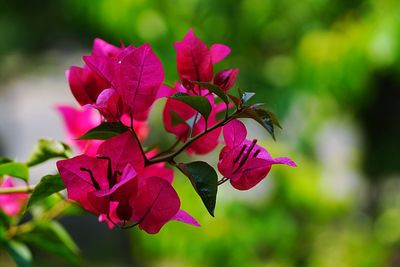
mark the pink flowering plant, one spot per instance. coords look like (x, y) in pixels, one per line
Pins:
(116, 177)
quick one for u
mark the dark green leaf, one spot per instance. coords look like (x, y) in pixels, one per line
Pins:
(15, 169)
(105, 131)
(214, 89)
(54, 239)
(199, 103)
(47, 186)
(265, 118)
(4, 220)
(176, 119)
(5, 160)
(204, 180)
(46, 149)
(19, 252)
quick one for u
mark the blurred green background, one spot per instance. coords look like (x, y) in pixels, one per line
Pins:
(329, 69)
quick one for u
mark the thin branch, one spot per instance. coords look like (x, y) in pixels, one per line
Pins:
(17, 189)
(223, 180)
(172, 155)
(146, 160)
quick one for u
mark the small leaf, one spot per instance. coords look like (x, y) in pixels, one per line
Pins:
(105, 131)
(47, 186)
(19, 252)
(265, 118)
(46, 149)
(15, 169)
(5, 160)
(199, 103)
(204, 180)
(214, 89)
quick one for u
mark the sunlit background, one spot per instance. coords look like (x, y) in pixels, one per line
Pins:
(329, 69)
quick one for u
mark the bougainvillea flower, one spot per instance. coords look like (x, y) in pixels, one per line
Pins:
(225, 79)
(203, 145)
(11, 204)
(136, 74)
(78, 121)
(117, 186)
(194, 59)
(242, 161)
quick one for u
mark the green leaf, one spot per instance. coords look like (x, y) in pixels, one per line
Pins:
(105, 131)
(5, 220)
(199, 103)
(63, 236)
(176, 119)
(47, 186)
(53, 238)
(265, 118)
(46, 149)
(15, 169)
(5, 160)
(204, 180)
(214, 89)
(19, 252)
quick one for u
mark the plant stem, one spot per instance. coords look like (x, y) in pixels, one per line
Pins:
(172, 155)
(17, 189)
(146, 160)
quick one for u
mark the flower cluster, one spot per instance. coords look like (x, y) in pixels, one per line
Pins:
(115, 177)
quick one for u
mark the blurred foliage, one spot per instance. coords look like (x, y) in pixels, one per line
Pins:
(319, 65)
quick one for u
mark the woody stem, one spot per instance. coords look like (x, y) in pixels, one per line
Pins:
(146, 160)
(172, 155)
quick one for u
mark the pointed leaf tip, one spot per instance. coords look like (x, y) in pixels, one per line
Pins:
(204, 180)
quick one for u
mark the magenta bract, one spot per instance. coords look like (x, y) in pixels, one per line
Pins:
(116, 185)
(11, 204)
(243, 161)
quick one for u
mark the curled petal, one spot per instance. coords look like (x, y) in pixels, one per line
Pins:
(226, 78)
(109, 104)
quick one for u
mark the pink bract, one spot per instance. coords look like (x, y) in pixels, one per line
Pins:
(242, 161)
(136, 74)
(11, 204)
(195, 60)
(78, 121)
(118, 186)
